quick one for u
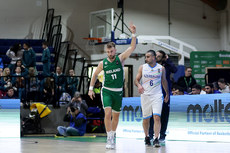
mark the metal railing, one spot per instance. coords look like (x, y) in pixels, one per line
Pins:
(48, 24)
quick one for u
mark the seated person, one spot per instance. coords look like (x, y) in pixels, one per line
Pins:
(32, 85)
(224, 88)
(18, 82)
(216, 87)
(72, 83)
(209, 89)
(17, 64)
(97, 87)
(60, 81)
(77, 126)
(178, 91)
(6, 79)
(80, 102)
(10, 94)
(48, 90)
(196, 90)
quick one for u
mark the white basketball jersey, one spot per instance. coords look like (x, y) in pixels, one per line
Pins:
(151, 79)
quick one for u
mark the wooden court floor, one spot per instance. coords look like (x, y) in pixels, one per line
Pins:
(97, 145)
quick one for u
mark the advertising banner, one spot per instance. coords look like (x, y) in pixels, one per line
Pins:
(9, 118)
(192, 117)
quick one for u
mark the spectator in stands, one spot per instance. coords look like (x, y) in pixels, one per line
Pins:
(176, 90)
(209, 89)
(187, 81)
(80, 102)
(224, 88)
(14, 53)
(97, 87)
(10, 94)
(196, 89)
(60, 80)
(48, 91)
(32, 85)
(216, 87)
(17, 64)
(29, 57)
(46, 59)
(72, 83)
(6, 79)
(60, 83)
(77, 126)
(18, 82)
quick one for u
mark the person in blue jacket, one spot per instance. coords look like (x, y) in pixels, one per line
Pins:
(162, 58)
(29, 57)
(46, 59)
(77, 120)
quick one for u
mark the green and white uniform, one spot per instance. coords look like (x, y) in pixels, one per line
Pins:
(113, 84)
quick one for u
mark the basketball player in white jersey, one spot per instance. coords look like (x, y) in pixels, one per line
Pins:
(153, 77)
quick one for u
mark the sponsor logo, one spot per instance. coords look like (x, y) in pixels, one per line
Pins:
(216, 112)
(131, 114)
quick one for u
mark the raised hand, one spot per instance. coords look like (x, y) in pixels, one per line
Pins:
(132, 28)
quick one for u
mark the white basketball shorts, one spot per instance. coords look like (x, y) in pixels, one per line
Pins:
(151, 105)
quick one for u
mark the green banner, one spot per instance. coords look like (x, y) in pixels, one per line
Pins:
(199, 60)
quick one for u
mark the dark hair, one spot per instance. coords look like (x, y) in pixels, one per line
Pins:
(45, 43)
(49, 82)
(27, 44)
(215, 85)
(188, 68)
(163, 53)
(17, 62)
(197, 86)
(15, 48)
(177, 87)
(9, 88)
(152, 52)
(17, 67)
(210, 85)
(110, 45)
(222, 80)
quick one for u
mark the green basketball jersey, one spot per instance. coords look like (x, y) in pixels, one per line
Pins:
(113, 73)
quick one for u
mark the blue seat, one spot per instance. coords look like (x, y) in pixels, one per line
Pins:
(3, 49)
(10, 42)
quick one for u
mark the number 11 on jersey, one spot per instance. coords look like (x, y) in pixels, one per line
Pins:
(114, 76)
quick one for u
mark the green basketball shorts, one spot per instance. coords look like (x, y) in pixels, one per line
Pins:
(112, 99)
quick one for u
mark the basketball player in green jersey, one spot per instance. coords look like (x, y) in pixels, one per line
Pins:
(111, 92)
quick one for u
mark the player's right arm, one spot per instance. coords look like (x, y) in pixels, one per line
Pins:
(137, 80)
(93, 80)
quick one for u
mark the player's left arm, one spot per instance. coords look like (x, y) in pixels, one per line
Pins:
(123, 56)
(165, 85)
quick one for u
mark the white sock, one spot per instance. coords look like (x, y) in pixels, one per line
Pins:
(113, 133)
(109, 134)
